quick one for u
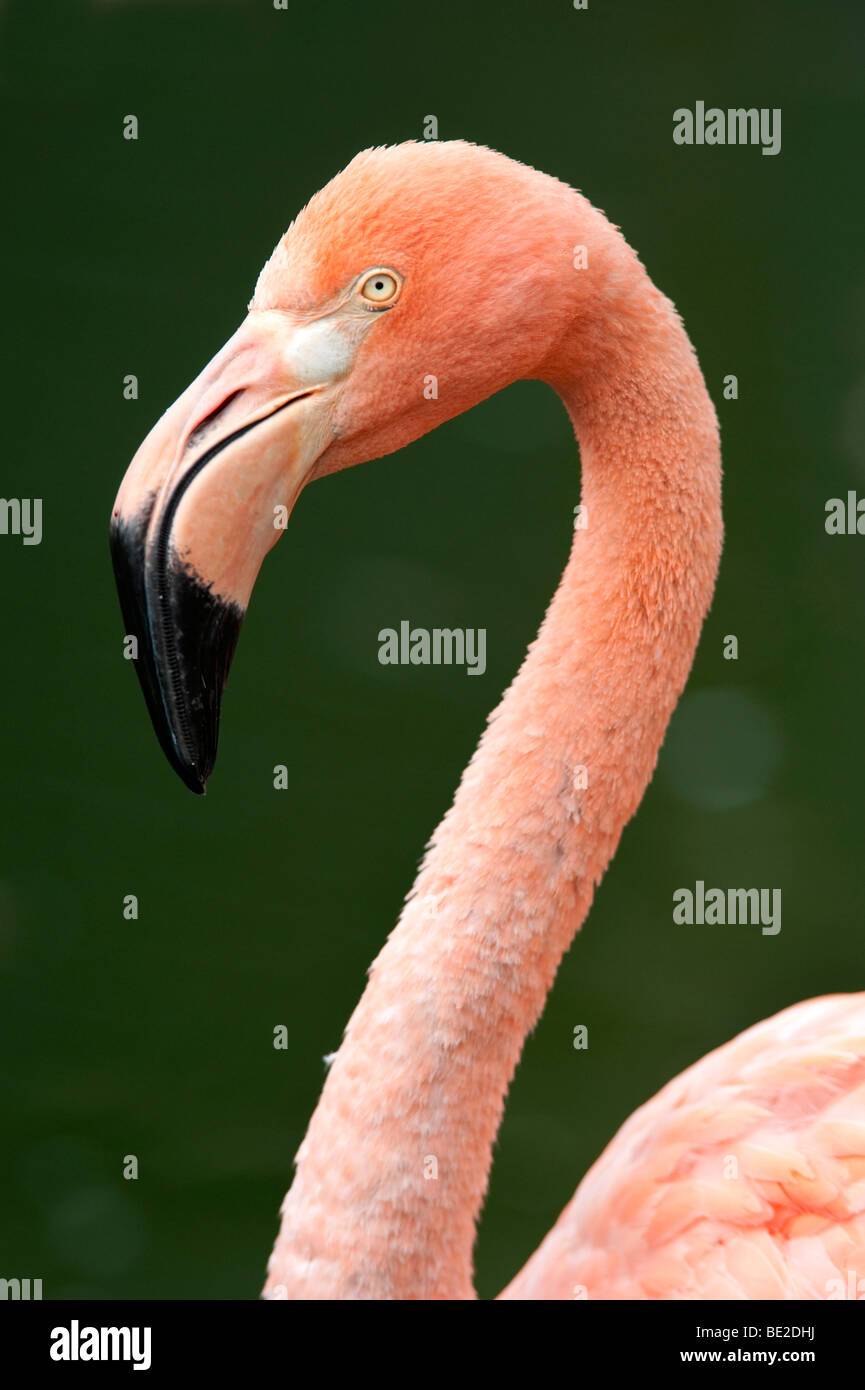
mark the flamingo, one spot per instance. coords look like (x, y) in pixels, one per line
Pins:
(420, 280)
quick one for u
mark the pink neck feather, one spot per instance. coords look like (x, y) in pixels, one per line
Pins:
(418, 1085)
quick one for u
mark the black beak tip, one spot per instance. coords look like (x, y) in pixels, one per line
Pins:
(192, 779)
(193, 770)
(186, 638)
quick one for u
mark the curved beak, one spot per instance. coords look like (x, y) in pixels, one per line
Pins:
(204, 499)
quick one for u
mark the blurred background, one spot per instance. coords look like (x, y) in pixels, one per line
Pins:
(257, 907)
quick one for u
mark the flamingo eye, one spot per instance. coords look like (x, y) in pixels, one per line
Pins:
(380, 287)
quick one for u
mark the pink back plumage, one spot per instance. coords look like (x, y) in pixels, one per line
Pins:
(743, 1178)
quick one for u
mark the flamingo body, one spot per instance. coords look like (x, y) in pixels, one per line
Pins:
(743, 1178)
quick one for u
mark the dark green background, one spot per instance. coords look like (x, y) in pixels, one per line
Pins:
(261, 907)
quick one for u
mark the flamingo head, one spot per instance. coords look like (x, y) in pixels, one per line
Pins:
(422, 279)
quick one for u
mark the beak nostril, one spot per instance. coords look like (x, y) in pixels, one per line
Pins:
(203, 428)
(207, 424)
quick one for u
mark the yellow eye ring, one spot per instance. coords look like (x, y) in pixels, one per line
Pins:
(379, 287)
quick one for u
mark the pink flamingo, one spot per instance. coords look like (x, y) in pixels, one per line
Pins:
(419, 281)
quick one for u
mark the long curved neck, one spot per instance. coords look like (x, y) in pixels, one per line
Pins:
(393, 1170)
